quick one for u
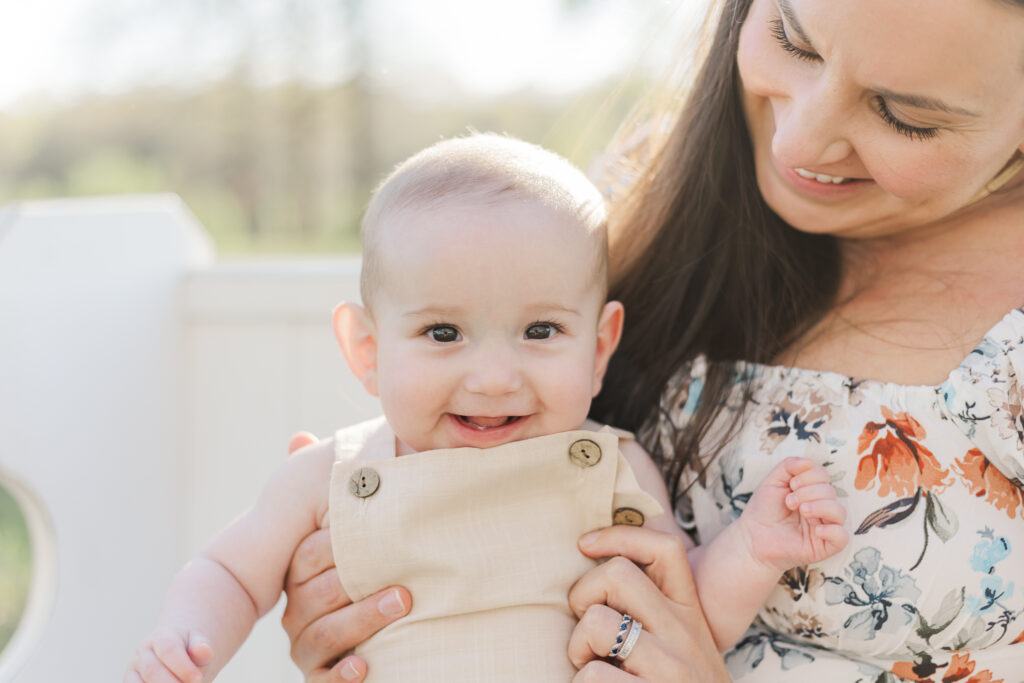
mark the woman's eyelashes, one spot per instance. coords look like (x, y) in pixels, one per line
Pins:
(912, 132)
(778, 30)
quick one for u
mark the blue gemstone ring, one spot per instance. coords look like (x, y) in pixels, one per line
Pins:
(626, 648)
(621, 635)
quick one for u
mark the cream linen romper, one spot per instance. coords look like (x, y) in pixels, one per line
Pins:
(485, 539)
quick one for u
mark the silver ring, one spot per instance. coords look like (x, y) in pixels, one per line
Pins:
(627, 646)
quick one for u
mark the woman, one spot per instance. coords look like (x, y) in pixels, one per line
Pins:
(840, 208)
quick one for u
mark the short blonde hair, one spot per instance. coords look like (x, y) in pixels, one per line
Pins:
(483, 167)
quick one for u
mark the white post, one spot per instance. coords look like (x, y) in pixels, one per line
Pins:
(91, 415)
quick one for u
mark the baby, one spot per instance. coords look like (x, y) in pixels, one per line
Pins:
(485, 334)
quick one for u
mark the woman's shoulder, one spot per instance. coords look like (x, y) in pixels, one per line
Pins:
(984, 396)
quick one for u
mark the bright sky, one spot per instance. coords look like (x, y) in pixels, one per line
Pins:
(430, 47)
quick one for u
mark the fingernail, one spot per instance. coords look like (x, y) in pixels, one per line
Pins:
(349, 672)
(391, 605)
(587, 540)
(791, 501)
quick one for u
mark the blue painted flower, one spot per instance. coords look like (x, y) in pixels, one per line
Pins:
(992, 591)
(749, 653)
(989, 550)
(988, 348)
(725, 489)
(882, 588)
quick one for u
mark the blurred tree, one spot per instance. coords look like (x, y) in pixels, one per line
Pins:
(362, 131)
(282, 163)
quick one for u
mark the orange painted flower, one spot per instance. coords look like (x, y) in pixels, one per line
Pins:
(986, 481)
(897, 459)
(959, 670)
(1018, 639)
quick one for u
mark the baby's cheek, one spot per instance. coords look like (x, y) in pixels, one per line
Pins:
(569, 396)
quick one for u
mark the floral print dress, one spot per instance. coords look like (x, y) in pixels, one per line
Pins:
(931, 585)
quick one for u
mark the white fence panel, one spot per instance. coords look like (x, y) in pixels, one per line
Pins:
(263, 363)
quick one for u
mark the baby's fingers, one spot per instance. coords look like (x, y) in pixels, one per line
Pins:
(199, 650)
(809, 473)
(171, 651)
(787, 470)
(828, 511)
(148, 668)
(810, 494)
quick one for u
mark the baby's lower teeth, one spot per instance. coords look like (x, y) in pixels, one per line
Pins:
(492, 424)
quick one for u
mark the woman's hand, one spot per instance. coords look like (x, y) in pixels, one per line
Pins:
(647, 577)
(320, 619)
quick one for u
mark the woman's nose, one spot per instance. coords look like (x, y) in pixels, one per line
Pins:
(810, 127)
(494, 371)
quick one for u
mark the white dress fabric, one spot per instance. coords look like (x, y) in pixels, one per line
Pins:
(485, 540)
(931, 585)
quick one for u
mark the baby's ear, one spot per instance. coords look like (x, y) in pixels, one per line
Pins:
(609, 332)
(357, 336)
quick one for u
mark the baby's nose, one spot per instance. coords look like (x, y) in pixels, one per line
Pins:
(494, 372)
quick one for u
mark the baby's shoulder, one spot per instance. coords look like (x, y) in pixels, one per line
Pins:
(314, 456)
(304, 474)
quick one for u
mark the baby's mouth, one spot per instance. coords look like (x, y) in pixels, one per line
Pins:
(481, 423)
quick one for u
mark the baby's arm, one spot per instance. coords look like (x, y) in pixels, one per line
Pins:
(216, 598)
(792, 519)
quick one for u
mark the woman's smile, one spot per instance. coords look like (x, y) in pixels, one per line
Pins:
(818, 185)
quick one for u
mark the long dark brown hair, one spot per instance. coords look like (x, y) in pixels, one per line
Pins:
(701, 263)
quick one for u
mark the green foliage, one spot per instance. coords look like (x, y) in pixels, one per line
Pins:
(114, 171)
(15, 566)
(281, 169)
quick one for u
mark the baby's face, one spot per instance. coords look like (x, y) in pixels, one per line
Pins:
(490, 324)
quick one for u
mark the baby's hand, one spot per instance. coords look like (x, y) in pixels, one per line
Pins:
(169, 656)
(793, 517)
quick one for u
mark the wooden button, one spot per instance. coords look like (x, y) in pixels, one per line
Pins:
(364, 482)
(628, 516)
(585, 453)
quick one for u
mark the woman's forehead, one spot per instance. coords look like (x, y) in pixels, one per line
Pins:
(964, 53)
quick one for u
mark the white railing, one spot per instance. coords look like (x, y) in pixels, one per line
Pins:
(146, 392)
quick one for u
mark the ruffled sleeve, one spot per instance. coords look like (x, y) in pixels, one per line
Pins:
(984, 396)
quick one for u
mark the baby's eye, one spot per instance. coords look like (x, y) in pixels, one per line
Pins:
(541, 331)
(444, 333)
